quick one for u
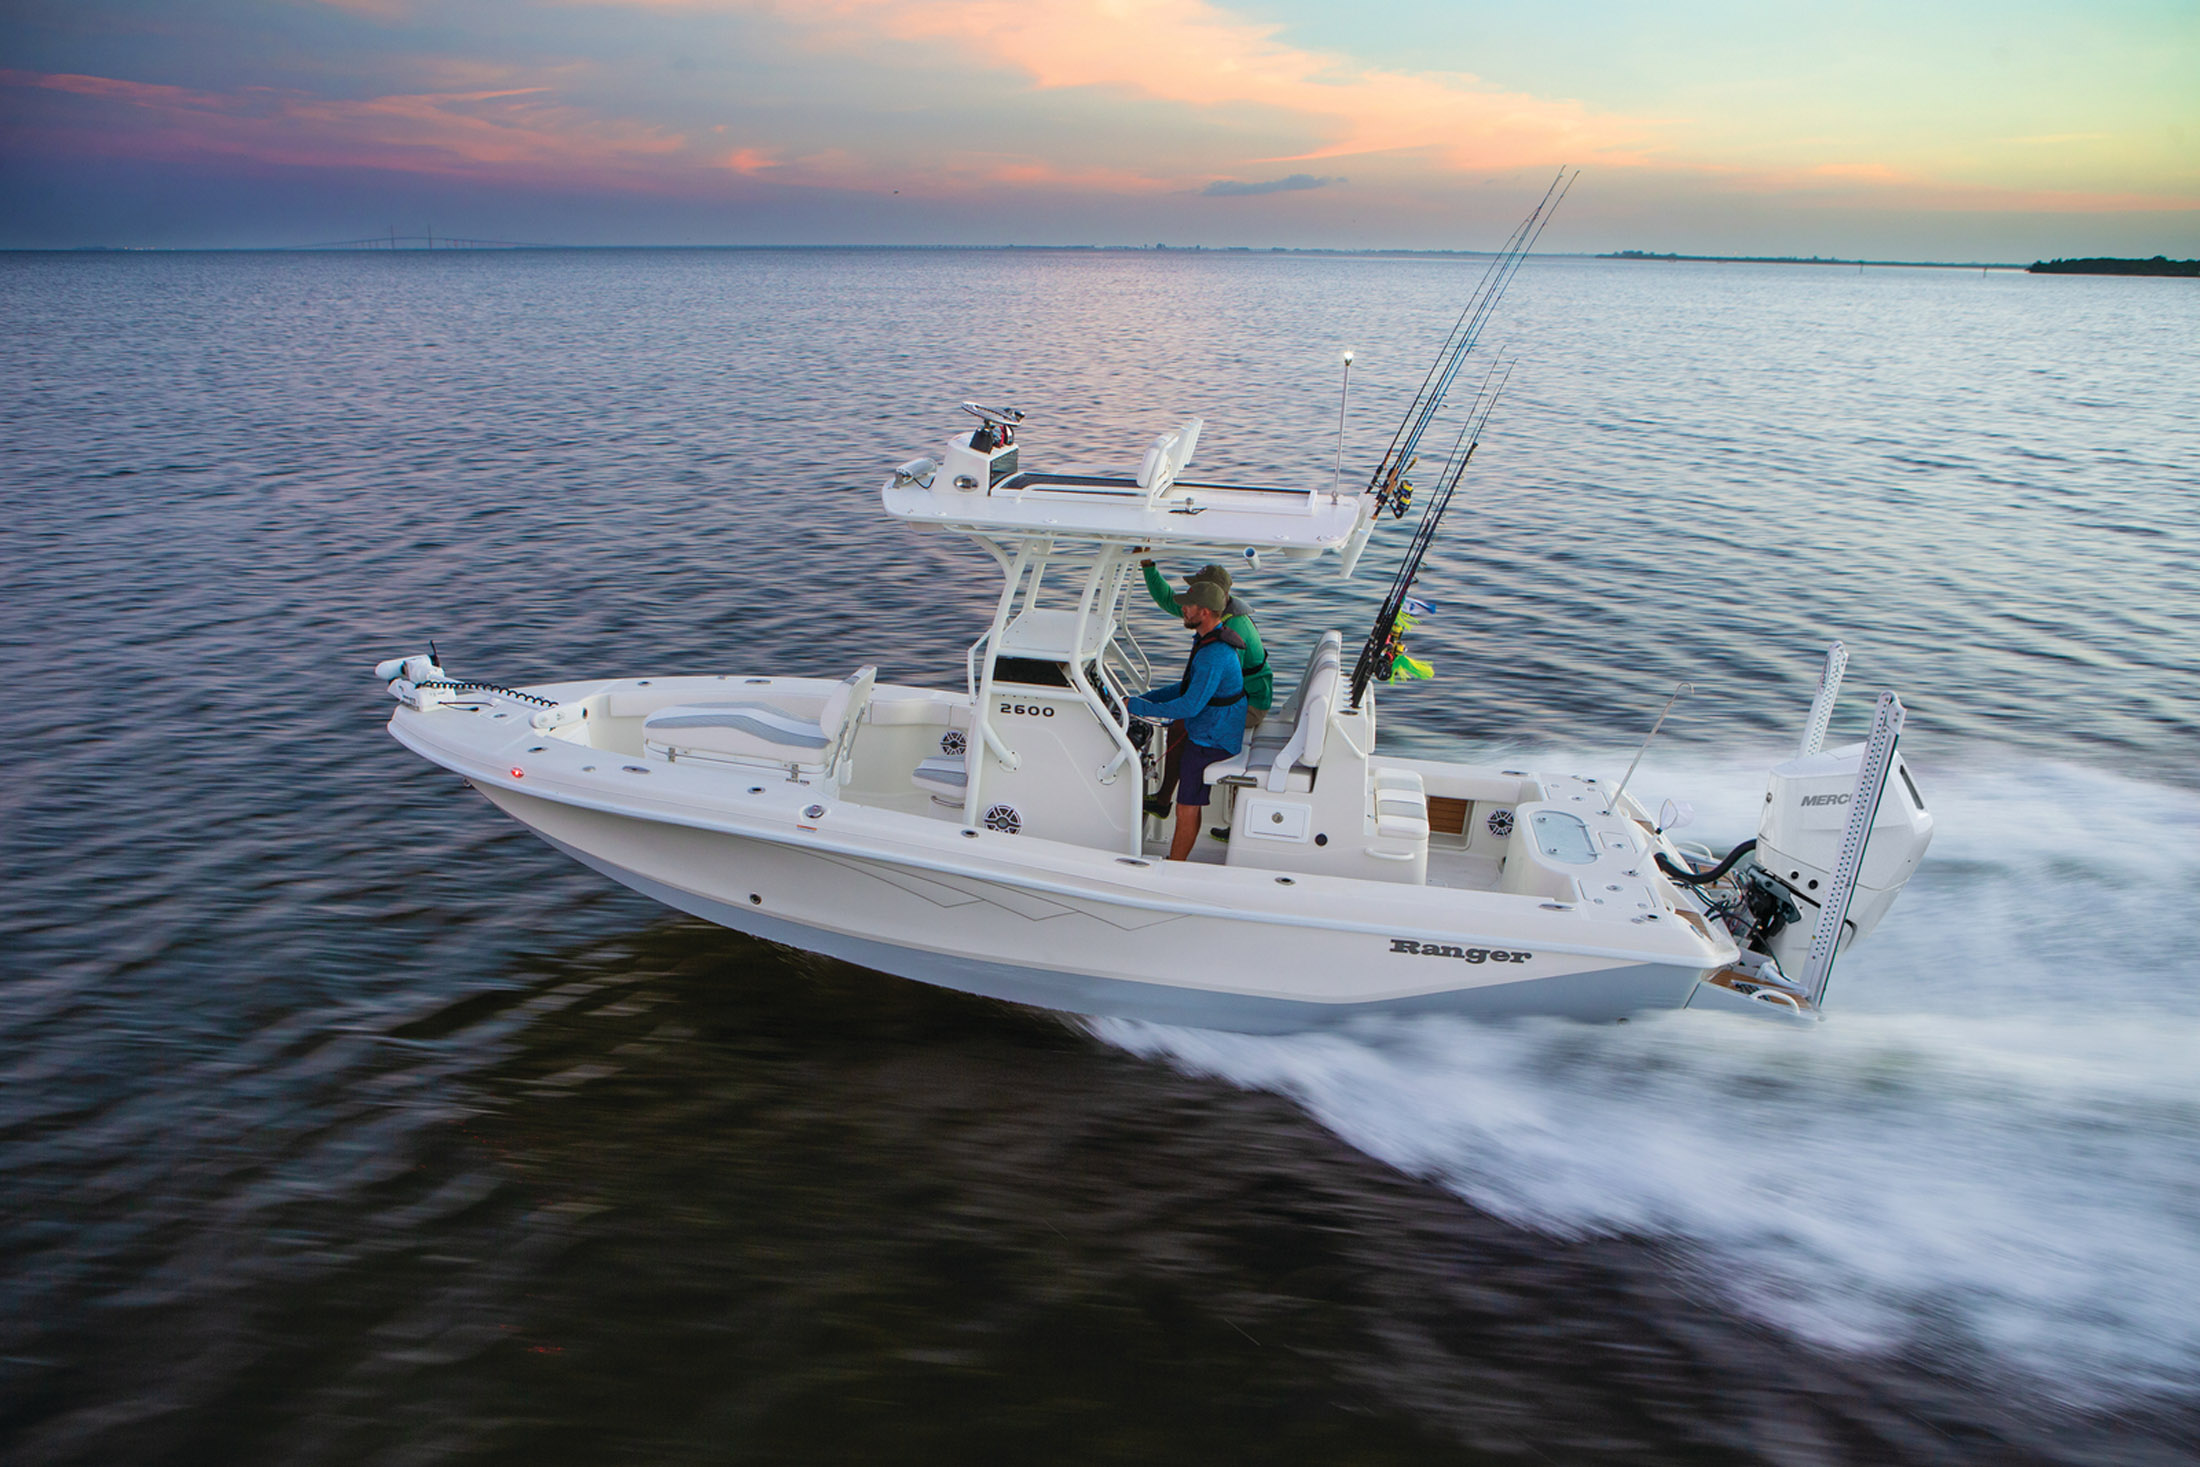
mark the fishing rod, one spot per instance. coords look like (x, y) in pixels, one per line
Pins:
(1387, 483)
(1386, 642)
(1384, 651)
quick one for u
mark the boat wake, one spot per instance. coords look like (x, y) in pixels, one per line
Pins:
(1984, 1155)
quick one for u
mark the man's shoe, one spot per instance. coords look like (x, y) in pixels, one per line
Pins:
(1159, 808)
(1220, 832)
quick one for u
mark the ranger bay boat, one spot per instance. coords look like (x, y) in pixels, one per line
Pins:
(991, 836)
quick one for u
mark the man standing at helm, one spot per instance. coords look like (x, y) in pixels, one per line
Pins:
(1209, 699)
(1260, 683)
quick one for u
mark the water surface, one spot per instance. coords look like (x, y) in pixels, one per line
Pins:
(344, 1122)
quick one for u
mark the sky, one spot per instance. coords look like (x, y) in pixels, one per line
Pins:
(1921, 130)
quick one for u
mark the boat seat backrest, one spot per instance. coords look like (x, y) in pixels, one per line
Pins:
(844, 710)
(1329, 649)
(1311, 734)
(833, 718)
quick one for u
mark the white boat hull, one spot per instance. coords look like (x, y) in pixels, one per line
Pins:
(1092, 953)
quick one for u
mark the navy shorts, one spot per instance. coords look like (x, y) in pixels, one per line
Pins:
(1191, 779)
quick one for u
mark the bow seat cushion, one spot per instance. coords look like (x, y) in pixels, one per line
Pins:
(739, 731)
(764, 733)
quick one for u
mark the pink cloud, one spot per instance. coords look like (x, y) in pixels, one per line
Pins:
(1193, 54)
(521, 132)
(502, 130)
(748, 160)
(378, 9)
(1860, 172)
(1238, 80)
(141, 94)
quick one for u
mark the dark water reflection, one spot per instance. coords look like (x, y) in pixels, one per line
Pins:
(691, 1198)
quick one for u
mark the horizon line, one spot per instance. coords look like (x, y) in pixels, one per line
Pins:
(454, 244)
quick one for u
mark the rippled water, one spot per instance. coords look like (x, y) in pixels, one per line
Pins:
(341, 1121)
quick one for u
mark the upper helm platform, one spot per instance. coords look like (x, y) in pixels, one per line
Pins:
(979, 487)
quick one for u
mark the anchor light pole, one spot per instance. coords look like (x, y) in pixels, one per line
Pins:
(1344, 394)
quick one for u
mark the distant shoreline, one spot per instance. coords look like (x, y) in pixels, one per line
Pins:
(443, 245)
(2107, 266)
(1814, 260)
(411, 245)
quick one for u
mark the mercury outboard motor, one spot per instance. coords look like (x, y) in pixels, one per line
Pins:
(1841, 832)
(1799, 839)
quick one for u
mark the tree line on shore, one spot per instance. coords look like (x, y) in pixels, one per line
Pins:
(2156, 266)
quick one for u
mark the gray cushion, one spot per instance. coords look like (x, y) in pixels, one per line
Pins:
(943, 769)
(683, 725)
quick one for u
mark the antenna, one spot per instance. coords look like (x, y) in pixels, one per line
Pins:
(1344, 395)
(1680, 691)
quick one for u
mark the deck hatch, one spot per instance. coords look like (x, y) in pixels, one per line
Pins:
(1564, 837)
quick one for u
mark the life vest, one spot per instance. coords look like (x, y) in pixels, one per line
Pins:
(1228, 639)
(1239, 608)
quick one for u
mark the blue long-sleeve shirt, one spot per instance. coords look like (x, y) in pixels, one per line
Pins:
(1214, 672)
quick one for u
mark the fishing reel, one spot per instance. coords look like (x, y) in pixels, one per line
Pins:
(1396, 493)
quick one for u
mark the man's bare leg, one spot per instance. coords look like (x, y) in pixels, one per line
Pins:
(1187, 830)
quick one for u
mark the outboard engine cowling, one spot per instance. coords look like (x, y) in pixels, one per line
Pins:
(1799, 843)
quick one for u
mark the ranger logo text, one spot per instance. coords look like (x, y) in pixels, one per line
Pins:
(1463, 954)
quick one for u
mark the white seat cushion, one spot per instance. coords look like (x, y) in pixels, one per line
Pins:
(738, 731)
(1401, 809)
(1401, 827)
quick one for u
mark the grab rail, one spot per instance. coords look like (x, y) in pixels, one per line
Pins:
(970, 664)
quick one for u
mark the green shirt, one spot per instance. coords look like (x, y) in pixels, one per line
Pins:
(1260, 683)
